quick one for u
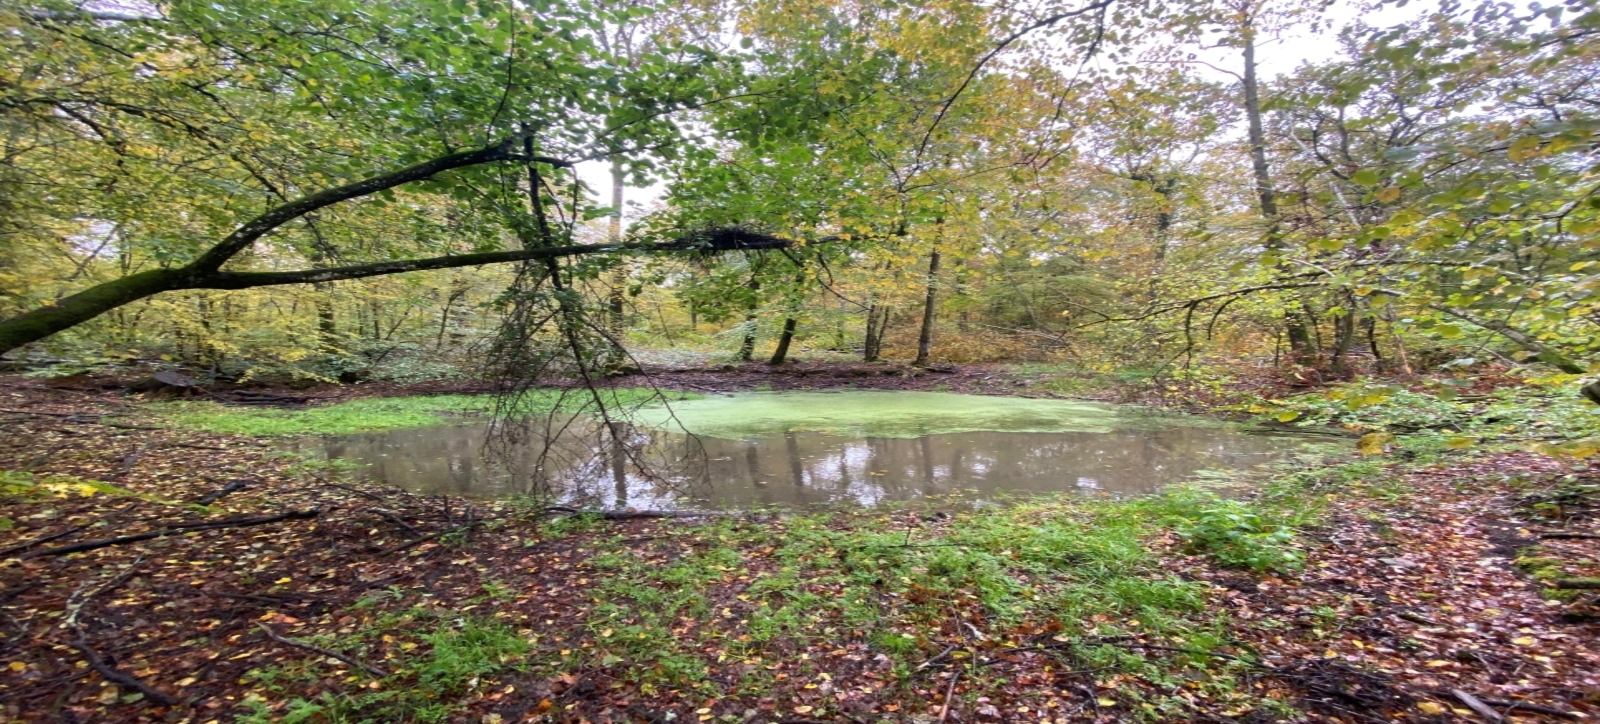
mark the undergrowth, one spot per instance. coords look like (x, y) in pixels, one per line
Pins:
(460, 654)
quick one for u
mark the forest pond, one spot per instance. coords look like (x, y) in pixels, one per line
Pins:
(810, 449)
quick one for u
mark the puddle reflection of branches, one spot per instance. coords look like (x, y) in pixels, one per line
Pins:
(558, 416)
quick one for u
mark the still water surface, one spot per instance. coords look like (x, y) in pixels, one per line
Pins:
(808, 449)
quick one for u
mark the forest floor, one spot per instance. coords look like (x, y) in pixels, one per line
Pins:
(159, 574)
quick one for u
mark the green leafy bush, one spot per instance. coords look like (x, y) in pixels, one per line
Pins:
(1234, 533)
(1368, 406)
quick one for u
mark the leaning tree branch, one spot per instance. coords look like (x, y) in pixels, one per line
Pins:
(1191, 304)
(244, 280)
(1541, 351)
(247, 234)
(85, 305)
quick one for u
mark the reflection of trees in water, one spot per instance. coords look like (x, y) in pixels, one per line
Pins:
(839, 470)
(596, 468)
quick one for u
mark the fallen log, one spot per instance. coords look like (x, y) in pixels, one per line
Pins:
(176, 529)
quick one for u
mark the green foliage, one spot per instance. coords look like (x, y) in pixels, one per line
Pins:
(1233, 532)
(1378, 407)
(1525, 415)
(466, 650)
(1062, 563)
(461, 652)
(28, 487)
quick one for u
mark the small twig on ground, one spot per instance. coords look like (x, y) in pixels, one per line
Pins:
(176, 529)
(357, 491)
(1570, 536)
(271, 600)
(937, 659)
(132, 460)
(369, 668)
(1512, 707)
(195, 446)
(75, 606)
(392, 518)
(424, 539)
(233, 486)
(1416, 618)
(116, 676)
(949, 693)
(37, 541)
(1483, 710)
(41, 413)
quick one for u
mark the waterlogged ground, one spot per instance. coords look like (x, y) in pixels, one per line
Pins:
(847, 448)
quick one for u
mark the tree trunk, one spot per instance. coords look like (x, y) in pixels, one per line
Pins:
(925, 338)
(444, 317)
(782, 352)
(327, 329)
(86, 305)
(877, 321)
(1399, 343)
(1370, 326)
(1344, 327)
(747, 347)
(1300, 344)
(619, 276)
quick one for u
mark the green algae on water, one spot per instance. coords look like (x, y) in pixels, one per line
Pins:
(877, 413)
(378, 413)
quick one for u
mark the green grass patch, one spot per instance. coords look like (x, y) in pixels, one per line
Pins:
(748, 593)
(459, 652)
(374, 414)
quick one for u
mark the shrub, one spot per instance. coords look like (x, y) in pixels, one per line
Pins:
(1234, 533)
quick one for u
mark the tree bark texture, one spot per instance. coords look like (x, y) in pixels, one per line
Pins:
(781, 354)
(925, 337)
(1300, 344)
